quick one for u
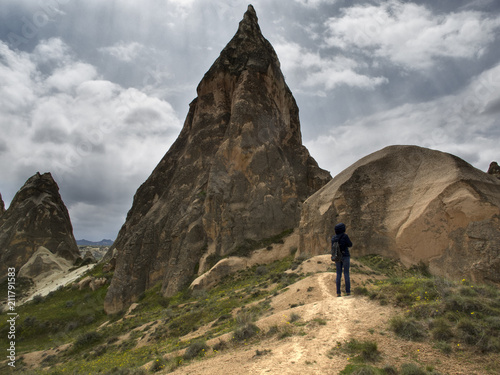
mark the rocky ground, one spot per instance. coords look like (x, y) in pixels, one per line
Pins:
(310, 352)
(318, 324)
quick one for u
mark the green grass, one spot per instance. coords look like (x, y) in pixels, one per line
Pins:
(72, 316)
(447, 312)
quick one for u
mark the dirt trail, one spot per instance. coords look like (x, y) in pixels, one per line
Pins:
(305, 353)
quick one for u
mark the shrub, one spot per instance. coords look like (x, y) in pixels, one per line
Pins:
(194, 350)
(364, 371)
(441, 330)
(444, 347)
(470, 331)
(37, 299)
(158, 364)
(87, 339)
(294, 317)
(489, 344)
(412, 369)
(361, 291)
(407, 328)
(261, 271)
(245, 332)
(367, 350)
(220, 346)
(389, 370)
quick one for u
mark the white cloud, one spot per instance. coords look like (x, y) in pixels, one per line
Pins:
(311, 72)
(70, 76)
(81, 129)
(411, 35)
(459, 124)
(124, 51)
(315, 3)
(53, 50)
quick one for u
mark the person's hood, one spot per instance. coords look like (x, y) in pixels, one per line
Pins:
(340, 228)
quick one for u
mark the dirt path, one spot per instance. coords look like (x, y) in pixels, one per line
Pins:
(306, 352)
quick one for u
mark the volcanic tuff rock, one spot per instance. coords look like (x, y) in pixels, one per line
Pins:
(37, 217)
(237, 172)
(494, 169)
(413, 204)
(2, 206)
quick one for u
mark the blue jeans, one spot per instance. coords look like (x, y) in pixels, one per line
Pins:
(345, 264)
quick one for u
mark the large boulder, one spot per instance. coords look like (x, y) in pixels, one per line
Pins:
(36, 217)
(416, 205)
(238, 171)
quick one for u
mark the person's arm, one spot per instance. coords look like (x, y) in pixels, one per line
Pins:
(348, 242)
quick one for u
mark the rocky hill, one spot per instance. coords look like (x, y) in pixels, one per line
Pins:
(238, 173)
(416, 205)
(36, 230)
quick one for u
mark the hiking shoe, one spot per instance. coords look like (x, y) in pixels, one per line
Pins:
(339, 295)
(348, 294)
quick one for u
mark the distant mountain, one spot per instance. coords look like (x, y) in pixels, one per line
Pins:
(91, 243)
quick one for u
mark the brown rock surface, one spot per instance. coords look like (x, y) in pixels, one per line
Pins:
(238, 171)
(494, 169)
(414, 204)
(2, 206)
(36, 217)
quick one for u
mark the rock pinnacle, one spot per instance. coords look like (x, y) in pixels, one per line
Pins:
(238, 173)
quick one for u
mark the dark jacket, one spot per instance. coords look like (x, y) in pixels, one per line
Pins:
(344, 240)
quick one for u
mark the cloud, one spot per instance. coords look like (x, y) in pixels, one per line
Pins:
(315, 3)
(315, 74)
(411, 35)
(124, 51)
(459, 124)
(99, 139)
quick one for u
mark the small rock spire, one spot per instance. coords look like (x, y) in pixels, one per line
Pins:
(494, 169)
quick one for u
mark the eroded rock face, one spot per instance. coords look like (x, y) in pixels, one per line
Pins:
(2, 206)
(237, 171)
(43, 263)
(37, 217)
(416, 205)
(494, 169)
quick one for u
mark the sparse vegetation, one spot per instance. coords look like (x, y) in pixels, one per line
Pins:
(453, 315)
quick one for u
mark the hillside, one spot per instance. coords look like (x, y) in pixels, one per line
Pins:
(281, 318)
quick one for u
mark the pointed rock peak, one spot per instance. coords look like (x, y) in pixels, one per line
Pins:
(250, 21)
(248, 49)
(36, 185)
(36, 217)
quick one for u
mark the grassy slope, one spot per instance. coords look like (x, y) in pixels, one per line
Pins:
(449, 314)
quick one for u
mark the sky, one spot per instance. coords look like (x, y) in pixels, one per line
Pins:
(96, 91)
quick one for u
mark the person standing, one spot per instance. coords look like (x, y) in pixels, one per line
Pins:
(344, 244)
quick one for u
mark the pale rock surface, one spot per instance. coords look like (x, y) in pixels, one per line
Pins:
(231, 265)
(413, 204)
(238, 171)
(36, 217)
(43, 263)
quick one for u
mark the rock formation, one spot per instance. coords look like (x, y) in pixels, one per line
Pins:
(416, 205)
(494, 169)
(237, 172)
(2, 206)
(43, 263)
(37, 217)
